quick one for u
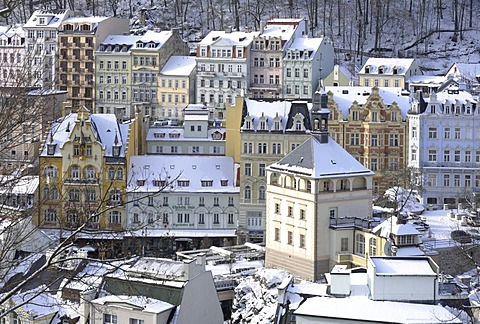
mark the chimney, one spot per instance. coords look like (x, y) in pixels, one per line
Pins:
(228, 30)
(340, 281)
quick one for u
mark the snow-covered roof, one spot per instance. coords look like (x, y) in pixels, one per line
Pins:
(37, 302)
(345, 96)
(92, 19)
(153, 134)
(402, 266)
(121, 40)
(26, 185)
(104, 126)
(361, 309)
(53, 18)
(153, 232)
(448, 97)
(433, 80)
(157, 37)
(179, 66)
(235, 38)
(468, 71)
(409, 251)
(13, 30)
(306, 44)
(321, 160)
(281, 28)
(191, 168)
(390, 226)
(149, 305)
(401, 64)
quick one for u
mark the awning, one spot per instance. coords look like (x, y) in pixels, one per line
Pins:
(176, 233)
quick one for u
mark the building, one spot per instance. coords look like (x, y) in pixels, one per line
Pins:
(199, 135)
(149, 56)
(467, 74)
(444, 136)
(176, 86)
(83, 167)
(169, 289)
(15, 72)
(393, 290)
(371, 124)
(223, 68)
(267, 52)
(388, 72)
(181, 202)
(314, 185)
(306, 62)
(268, 130)
(113, 76)
(41, 42)
(339, 77)
(78, 38)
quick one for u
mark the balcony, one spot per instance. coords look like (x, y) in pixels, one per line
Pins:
(51, 180)
(114, 202)
(206, 73)
(76, 181)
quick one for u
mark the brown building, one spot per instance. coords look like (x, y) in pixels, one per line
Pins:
(78, 39)
(371, 124)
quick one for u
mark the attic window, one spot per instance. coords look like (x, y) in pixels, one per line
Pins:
(344, 91)
(174, 135)
(241, 39)
(140, 182)
(183, 183)
(367, 69)
(333, 161)
(217, 166)
(159, 135)
(68, 27)
(381, 70)
(139, 45)
(395, 70)
(215, 38)
(85, 27)
(172, 166)
(224, 183)
(159, 183)
(194, 166)
(151, 45)
(207, 183)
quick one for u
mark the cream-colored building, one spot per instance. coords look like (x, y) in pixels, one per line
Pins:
(308, 191)
(388, 72)
(176, 86)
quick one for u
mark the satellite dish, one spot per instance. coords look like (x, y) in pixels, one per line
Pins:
(387, 249)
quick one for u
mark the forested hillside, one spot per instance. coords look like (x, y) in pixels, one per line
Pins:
(439, 29)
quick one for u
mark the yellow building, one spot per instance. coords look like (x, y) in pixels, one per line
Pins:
(83, 168)
(388, 72)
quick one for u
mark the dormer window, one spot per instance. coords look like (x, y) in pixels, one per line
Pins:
(276, 125)
(367, 69)
(207, 183)
(159, 135)
(85, 27)
(140, 182)
(41, 21)
(381, 70)
(217, 136)
(263, 125)
(139, 45)
(68, 27)
(116, 151)
(174, 135)
(151, 45)
(224, 183)
(159, 183)
(183, 183)
(51, 148)
(395, 70)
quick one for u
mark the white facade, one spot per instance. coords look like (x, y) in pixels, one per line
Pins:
(183, 197)
(444, 132)
(199, 135)
(41, 43)
(223, 68)
(306, 62)
(14, 72)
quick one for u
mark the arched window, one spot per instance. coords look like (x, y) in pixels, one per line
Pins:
(74, 195)
(111, 173)
(50, 171)
(248, 192)
(261, 193)
(372, 251)
(359, 244)
(120, 173)
(115, 197)
(46, 192)
(90, 173)
(75, 172)
(54, 194)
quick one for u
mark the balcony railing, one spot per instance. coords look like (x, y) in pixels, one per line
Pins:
(80, 181)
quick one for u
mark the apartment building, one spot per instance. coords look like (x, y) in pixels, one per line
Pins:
(388, 72)
(307, 61)
(371, 124)
(199, 134)
(149, 55)
(267, 52)
(444, 130)
(223, 68)
(41, 43)
(14, 72)
(267, 131)
(78, 38)
(176, 86)
(113, 76)
(83, 172)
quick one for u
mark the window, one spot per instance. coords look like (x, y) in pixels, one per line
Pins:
(290, 211)
(201, 218)
(109, 319)
(75, 172)
(248, 148)
(457, 132)
(277, 208)
(333, 212)
(414, 154)
(456, 180)
(372, 246)
(290, 238)
(230, 201)
(248, 193)
(74, 195)
(456, 156)
(359, 244)
(261, 169)
(374, 164)
(136, 321)
(303, 214)
(432, 132)
(374, 140)
(446, 180)
(216, 218)
(446, 156)
(216, 201)
(262, 148)
(446, 133)
(344, 244)
(261, 193)
(114, 217)
(414, 132)
(248, 169)
(432, 155)
(302, 241)
(276, 148)
(468, 180)
(50, 215)
(277, 234)
(89, 173)
(393, 139)
(355, 139)
(230, 219)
